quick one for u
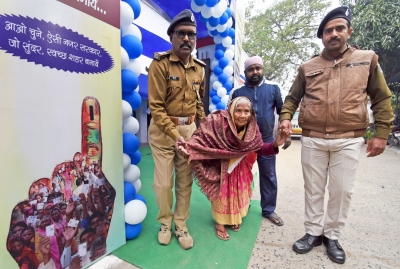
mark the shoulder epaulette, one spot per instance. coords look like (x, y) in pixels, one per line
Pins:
(160, 55)
(200, 62)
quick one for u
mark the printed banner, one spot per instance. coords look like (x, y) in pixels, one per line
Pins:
(61, 137)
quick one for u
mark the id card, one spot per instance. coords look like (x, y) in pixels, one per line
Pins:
(85, 189)
(73, 223)
(40, 206)
(82, 249)
(75, 198)
(50, 230)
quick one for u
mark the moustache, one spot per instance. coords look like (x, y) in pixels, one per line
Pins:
(334, 39)
(185, 45)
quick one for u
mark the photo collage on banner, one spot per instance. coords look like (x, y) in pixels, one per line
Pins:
(63, 201)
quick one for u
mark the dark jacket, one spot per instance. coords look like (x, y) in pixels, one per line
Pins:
(266, 98)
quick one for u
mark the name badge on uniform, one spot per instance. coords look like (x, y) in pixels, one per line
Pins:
(174, 78)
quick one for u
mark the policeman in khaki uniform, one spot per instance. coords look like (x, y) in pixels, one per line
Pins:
(176, 88)
(331, 90)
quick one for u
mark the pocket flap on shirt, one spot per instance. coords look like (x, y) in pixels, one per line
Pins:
(314, 72)
(357, 63)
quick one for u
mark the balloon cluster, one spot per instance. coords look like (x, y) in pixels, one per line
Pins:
(131, 49)
(218, 18)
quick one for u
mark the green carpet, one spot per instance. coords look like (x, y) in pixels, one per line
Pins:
(208, 251)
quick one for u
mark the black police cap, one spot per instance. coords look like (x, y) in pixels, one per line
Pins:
(184, 17)
(340, 12)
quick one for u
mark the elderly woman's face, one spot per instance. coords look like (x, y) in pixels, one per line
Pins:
(241, 115)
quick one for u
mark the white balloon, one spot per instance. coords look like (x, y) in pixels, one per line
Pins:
(231, 79)
(137, 89)
(130, 125)
(126, 110)
(214, 64)
(126, 160)
(209, 27)
(217, 85)
(229, 54)
(135, 66)
(207, 12)
(228, 70)
(135, 212)
(132, 173)
(138, 185)
(127, 14)
(221, 28)
(124, 58)
(132, 29)
(217, 39)
(227, 41)
(212, 107)
(195, 7)
(213, 78)
(229, 23)
(219, 9)
(225, 99)
(231, 63)
(221, 92)
(232, 47)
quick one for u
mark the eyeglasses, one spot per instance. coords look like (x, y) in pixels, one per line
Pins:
(182, 34)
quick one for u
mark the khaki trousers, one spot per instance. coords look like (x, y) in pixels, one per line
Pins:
(166, 162)
(337, 159)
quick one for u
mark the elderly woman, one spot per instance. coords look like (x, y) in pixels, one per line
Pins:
(221, 154)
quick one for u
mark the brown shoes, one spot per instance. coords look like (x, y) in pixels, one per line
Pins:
(164, 235)
(184, 238)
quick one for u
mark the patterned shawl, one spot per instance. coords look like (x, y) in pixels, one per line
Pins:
(214, 144)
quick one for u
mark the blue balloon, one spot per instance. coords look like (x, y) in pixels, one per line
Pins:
(232, 32)
(227, 85)
(132, 45)
(221, 105)
(224, 18)
(213, 21)
(135, 157)
(223, 62)
(140, 197)
(133, 98)
(135, 5)
(218, 54)
(217, 70)
(130, 143)
(225, 33)
(204, 20)
(211, 3)
(220, 46)
(213, 93)
(129, 80)
(215, 99)
(200, 2)
(222, 78)
(129, 192)
(214, 32)
(132, 231)
(228, 11)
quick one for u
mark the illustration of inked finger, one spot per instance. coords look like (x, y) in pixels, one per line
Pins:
(77, 180)
(91, 131)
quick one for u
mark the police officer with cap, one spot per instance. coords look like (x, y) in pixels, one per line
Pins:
(331, 90)
(176, 88)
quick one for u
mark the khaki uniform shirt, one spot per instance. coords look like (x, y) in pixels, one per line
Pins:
(175, 90)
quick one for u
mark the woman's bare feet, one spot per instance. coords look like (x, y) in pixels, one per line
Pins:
(220, 232)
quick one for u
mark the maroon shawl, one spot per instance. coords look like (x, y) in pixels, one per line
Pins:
(214, 143)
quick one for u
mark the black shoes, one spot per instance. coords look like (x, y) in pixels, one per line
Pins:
(334, 250)
(306, 243)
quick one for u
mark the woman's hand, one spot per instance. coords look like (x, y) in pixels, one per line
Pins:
(283, 134)
(180, 146)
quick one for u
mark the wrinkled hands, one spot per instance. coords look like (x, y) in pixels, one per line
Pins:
(180, 145)
(282, 137)
(375, 146)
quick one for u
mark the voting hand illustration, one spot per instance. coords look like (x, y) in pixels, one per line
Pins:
(70, 203)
